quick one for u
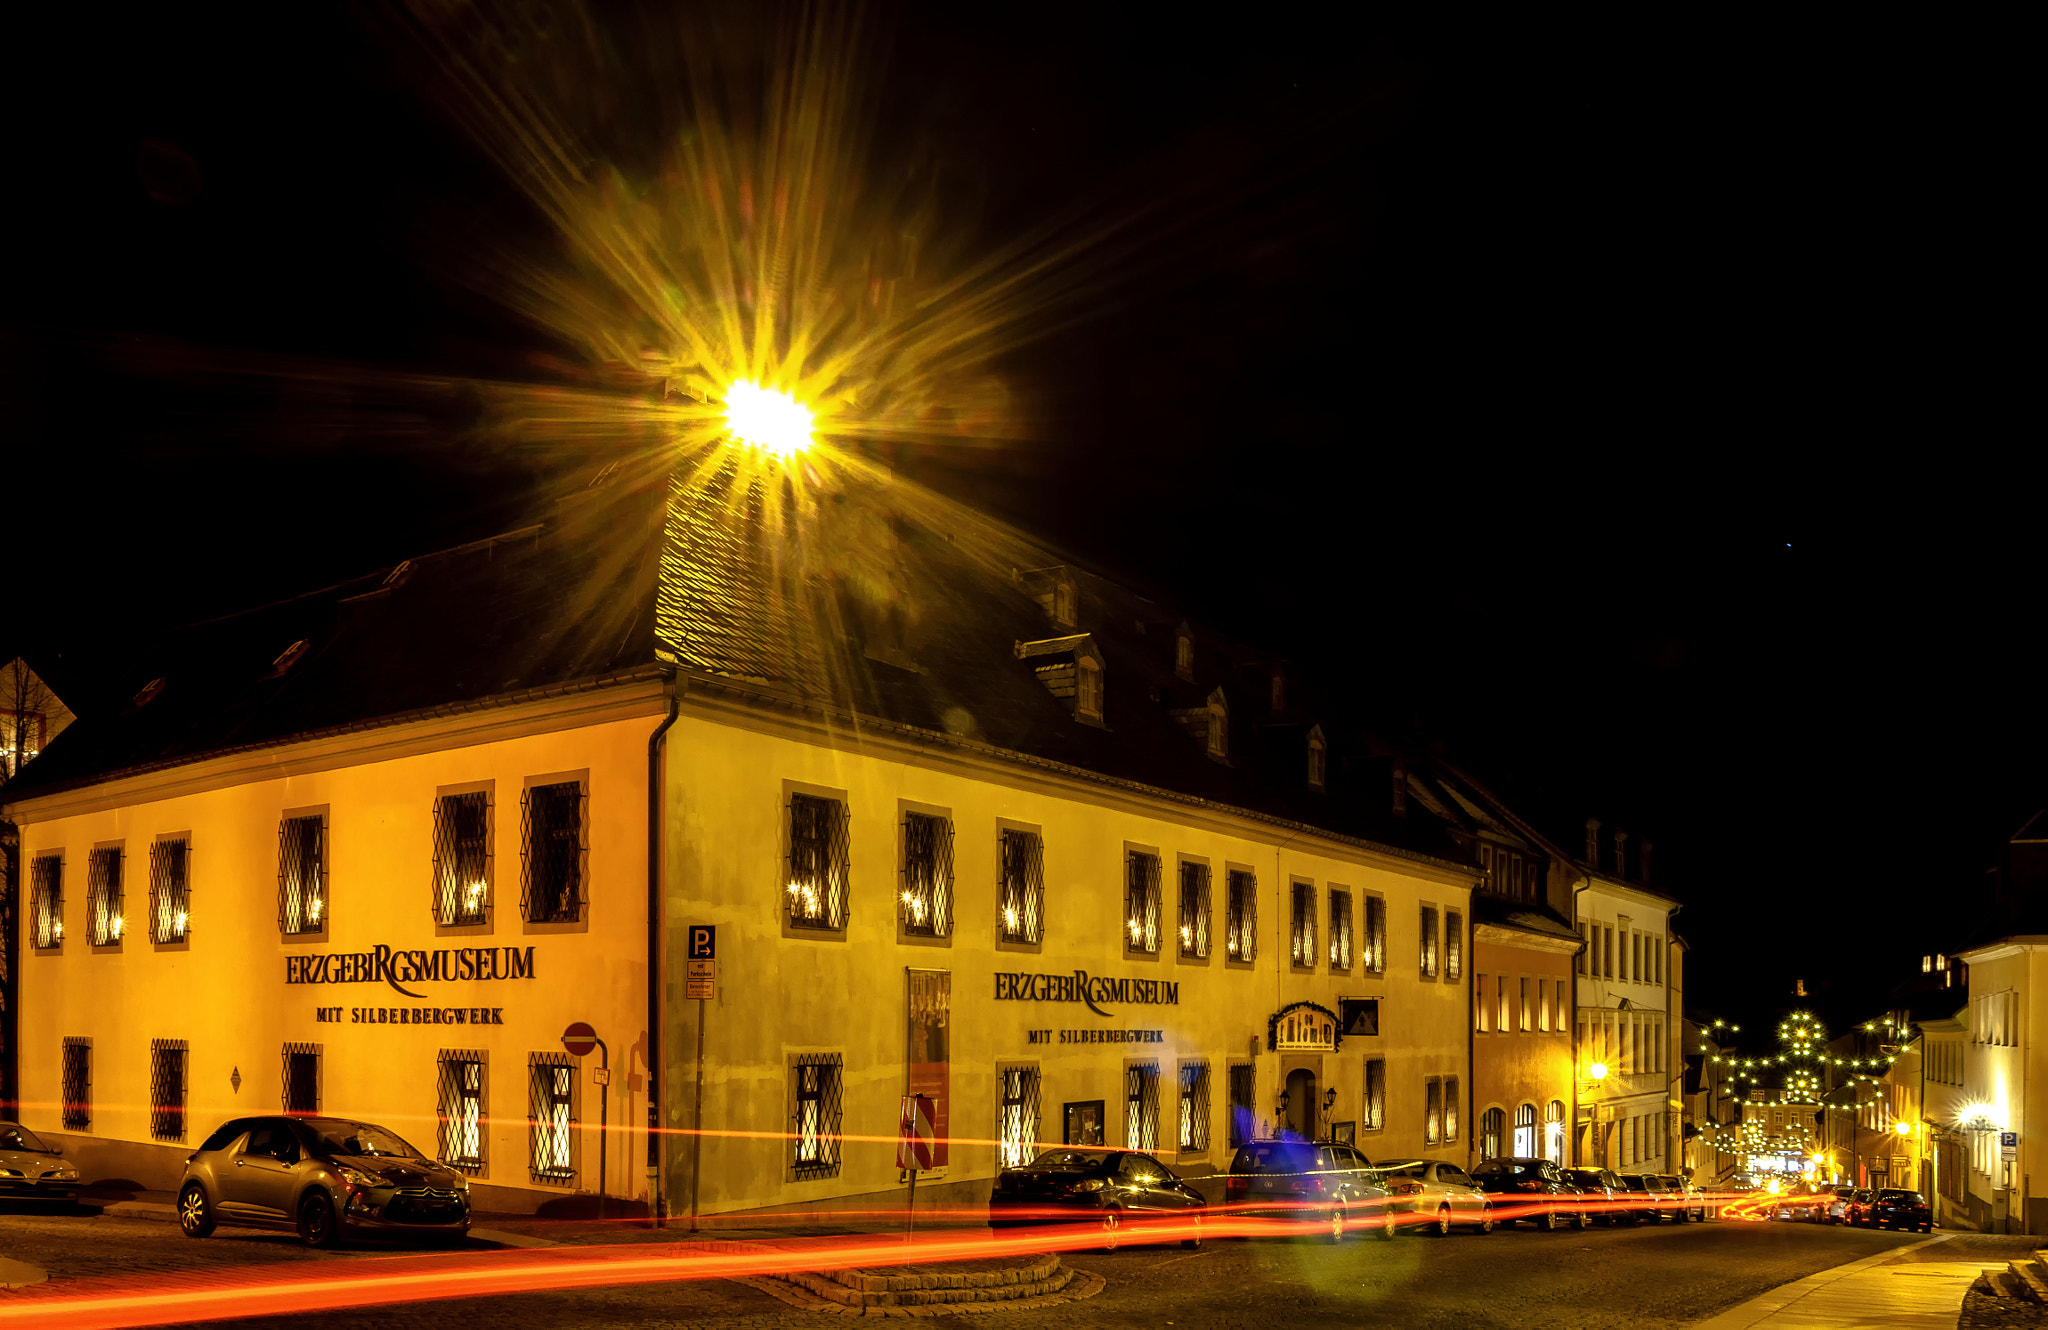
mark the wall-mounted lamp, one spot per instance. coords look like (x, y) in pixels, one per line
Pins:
(1280, 1105)
(1598, 1071)
(1903, 1128)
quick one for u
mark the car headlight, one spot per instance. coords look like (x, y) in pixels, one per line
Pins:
(65, 1171)
(1089, 1184)
(355, 1177)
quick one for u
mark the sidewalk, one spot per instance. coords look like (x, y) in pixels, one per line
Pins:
(1889, 1290)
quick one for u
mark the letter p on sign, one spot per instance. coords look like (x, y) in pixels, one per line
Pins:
(703, 942)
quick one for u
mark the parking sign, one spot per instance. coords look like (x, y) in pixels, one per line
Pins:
(2008, 1145)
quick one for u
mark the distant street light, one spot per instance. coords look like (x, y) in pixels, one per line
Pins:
(772, 421)
(1598, 1071)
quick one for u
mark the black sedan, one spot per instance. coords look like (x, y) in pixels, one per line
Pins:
(1606, 1193)
(1534, 1190)
(1893, 1208)
(33, 1169)
(1113, 1188)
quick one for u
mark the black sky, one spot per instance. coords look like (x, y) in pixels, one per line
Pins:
(1636, 408)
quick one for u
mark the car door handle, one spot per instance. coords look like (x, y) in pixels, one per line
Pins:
(238, 1163)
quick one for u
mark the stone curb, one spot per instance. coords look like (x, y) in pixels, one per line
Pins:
(1080, 1285)
(867, 1283)
(1746, 1314)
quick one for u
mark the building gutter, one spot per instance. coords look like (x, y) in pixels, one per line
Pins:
(657, 897)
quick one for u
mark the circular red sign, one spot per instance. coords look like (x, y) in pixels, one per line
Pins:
(579, 1039)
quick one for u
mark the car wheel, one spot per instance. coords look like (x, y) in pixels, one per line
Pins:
(1337, 1224)
(316, 1220)
(1112, 1224)
(1550, 1221)
(1389, 1225)
(1585, 1220)
(1442, 1227)
(1194, 1243)
(1681, 1216)
(1486, 1220)
(195, 1212)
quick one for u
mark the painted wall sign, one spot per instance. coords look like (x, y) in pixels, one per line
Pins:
(410, 967)
(1080, 986)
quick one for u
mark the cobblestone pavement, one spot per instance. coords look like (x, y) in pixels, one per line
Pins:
(1645, 1278)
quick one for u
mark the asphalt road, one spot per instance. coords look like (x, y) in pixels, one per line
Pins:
(1639, 1277)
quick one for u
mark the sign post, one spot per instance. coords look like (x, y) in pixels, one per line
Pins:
(914, 1137)
(703, 951)
(579, 1039)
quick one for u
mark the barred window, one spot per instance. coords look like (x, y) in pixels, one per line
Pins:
(103, 902)
(1023, 885)
(1375, 934)
(1194, 1106)
(1375, 1117)
(815, 1141)
(1141, 1106)
(1432, 1111)
(1241, 928)
(78, 1084)
(817, 862)
(1141, 902)
(302, 874)
(302, 1080)
(554, 853)
(551, 1117)
(462, 850)
(1340, 930)
(1429, 942)
(1243, 1113)
(1454, 945)
(46, 901)
(927, 875)
(1450, 1108)
(167, 1089)
(1194, 910)
(170, 890)
(462, 1110)
(1304, 935)
(1017, 1117)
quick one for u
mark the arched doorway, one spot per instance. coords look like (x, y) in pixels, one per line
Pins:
(1303, 1106)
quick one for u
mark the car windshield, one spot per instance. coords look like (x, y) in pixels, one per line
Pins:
(1505, 1168)
(360, 1138)
(14, 1137)
(1277, 1157)
(1071, 1159)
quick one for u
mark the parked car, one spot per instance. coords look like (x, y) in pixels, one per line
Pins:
(1800, 1206)
(1857, 1208)
(1116, 1188)
(1535, 1191)
(1300, 1180)
(1606, 1195)
(33, 1169)
(1692, 1201)
(1440, 1195)
(1671, 1189)
(329, 1178)
(1653, 1201)
(1896, 1208)
(1834, 1211)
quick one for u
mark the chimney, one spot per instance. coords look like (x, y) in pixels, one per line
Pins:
(1621, 854)
(1593, 842)
(1643, 863)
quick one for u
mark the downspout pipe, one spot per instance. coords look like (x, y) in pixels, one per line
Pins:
(657, 1049)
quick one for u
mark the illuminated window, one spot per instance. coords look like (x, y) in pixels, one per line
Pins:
(815, 1142)
(927, 896)
(1194, 909)
(1141, 902)
(462, 851)
(1141, 1106)
(1525, 1133)
(302, 874)
(46, 901)
(1374, 936)
(1241, 924)
(1432, 1111)
(1450, 1108)
(1429, 943)
(1480, 1010)
(1017, 1117)
(167, 1089)
(104, 903)
(815, 892)
(1088, 688)
(1524, 1015)
(1243, 1122)
(170, 894)
(1553, 1132)
(1374, 1113)
(551, 1117)
(1304, 933)
(1493, 1130)
(1454, 945)
(553, 841)
(1194, 1107)
(463, 1110)
(1023, 885)
(77, 1078)
(1340, 929)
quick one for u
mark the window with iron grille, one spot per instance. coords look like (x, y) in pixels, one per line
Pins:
(1023, 885)
(1450, 1108)
(1432, 1111)
(78, 1084)
(170, 890)
(46, 901)
(553, 844)
(814, 1143)
(1375, 1114)
(1141, 902)
(1243, 1115)
(1429, 954)
(463, 1112)
(1454, 945)
(167, 1089)
(551, 1117)
(462, 849)
(302, 874)
(301, 1097)
(1194, 909)
(1194, 1106)
(1241, 928)
(1304, 934)
(927, 875)
(1340, 930)
(816, 889)
(103, 901)
(1017, 1117)
(1141, 1106)
(1375, 938)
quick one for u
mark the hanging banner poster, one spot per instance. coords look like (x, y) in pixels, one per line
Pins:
(930, 1058)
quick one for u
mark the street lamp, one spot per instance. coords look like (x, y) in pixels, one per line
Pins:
(772, 421)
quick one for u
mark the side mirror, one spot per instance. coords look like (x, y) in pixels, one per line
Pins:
(57, 1150)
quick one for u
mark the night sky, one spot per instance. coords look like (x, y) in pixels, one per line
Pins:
(1635, 410)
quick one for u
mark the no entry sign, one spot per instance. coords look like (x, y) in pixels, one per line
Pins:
(579, 1039)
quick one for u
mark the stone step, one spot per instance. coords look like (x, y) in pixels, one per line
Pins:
(2000, 1284)
(2030, 1279)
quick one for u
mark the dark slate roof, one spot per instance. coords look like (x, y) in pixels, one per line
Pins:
(1522, 918)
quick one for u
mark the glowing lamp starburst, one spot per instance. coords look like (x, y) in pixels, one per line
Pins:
(771, 421)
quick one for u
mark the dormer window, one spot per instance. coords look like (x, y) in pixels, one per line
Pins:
(1184, 654)
(1088, 700)
(1063, 603)
(1219, 727)
(1071, 670)
(1318, 758)
(1055, 591)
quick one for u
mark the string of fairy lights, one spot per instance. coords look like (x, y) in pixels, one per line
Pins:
(1797, 1075)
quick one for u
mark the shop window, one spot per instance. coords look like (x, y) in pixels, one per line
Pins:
(815, 1141)
(551, 1117)
(1374, 1112)
(77, 1084)
(170, 890)
(1141, 902)
(301, 1096)
(167, 1089)
(1243, 1115)
(1525, 1132)
(1450, 1108)
(816, 889)
(46, 901)
(927, 897)
(1454, 945)
(553, 844)
(1553, 1132)
(1340, 930)
(1023, 885)
(1141, 1106)
(1375, 935)
(1432, 1111)
(302, 874)
(463, 1110)
(1493, 1126)
(1017, 1117)
(1194, 1106)
(1194, 910)
(1429, 945)
(462, 852)
(104, 905)
(1241, 926)
(1303, 934)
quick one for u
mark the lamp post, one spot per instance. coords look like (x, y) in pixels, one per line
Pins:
(1597, 1074)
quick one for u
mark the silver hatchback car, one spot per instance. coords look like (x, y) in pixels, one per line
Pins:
(328, 1178)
